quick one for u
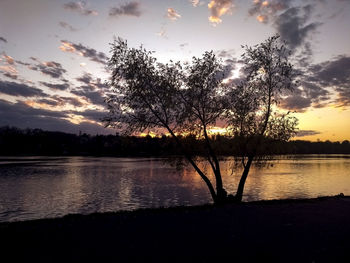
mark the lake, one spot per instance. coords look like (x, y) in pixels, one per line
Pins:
(46, 187)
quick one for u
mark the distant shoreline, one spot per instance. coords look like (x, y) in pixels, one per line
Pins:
(36, 142)
(292, 230)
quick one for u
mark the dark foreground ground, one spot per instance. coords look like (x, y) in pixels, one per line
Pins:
(313, 230)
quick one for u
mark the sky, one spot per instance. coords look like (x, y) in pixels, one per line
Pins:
(53, 54)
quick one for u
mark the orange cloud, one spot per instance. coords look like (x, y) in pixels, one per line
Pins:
(265, 3)
(219, 8)
(67, 47)
(8, 59)
(262, 18)
(172, 14)
(264, 10)
(9, 69)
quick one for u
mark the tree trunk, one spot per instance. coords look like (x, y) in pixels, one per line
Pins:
(194, 165)
(239, 193)
(221, 193)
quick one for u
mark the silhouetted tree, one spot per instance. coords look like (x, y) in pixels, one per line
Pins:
(253, 113)
(189, 99)
(167, 97)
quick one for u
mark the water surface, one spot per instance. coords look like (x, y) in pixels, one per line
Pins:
(42, 187)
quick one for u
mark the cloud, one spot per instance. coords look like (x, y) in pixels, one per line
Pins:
(94, 96)
(229, 61)
(50, 68)
(84, 51)
(183, 45)
(22, 63)
(9, 60)
(128, 9)
(9, 67)
(91, 83)
(19, 89)
(79, 7)
(195, 3)
(86, 78)
(264, 11)
(67, 26)
(219, 8)
(60, 101)
(162, 33)
(3, 39)
(308, 94)
(292, 25)
(10, 75)
(93, 89)
(8, 70)
(22, 115)
(93, 115)
(172, 15)
(334, 74)
(296, 102)
(322, 84)
(63, 86)
(303, 133)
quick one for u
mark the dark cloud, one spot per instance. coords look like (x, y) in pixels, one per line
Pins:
(10, 75)
(22, 63)
(86, 78)
(3, 39)
(67, 26)
(308, 94)
(335, 72)
(60, 101)
(50, 68)
(302, 133)
(19, 89)
(87, 52)
(22, 115)
(50, 102)
(79, 7)
(95, 97)
(296, 102)
(92, 115)
(91, 83)
(100, 85)
(93, 90)
(292, 23)
(319, 82)
(72, 101)
(336, 75)
(293, 27)
(229, 61)
(55, 86)
(128, 9)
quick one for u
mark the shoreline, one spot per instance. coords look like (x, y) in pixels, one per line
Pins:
(179, 208)
(290, 230)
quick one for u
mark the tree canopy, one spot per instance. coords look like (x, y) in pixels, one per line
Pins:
(178, 99)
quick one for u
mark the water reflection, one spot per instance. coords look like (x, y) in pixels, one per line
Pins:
(38, 187)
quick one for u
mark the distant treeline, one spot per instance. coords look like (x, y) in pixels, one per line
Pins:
(14, 141)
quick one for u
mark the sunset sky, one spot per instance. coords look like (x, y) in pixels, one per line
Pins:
(53, 54)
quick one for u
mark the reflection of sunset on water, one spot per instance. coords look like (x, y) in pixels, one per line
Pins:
(56, 186)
